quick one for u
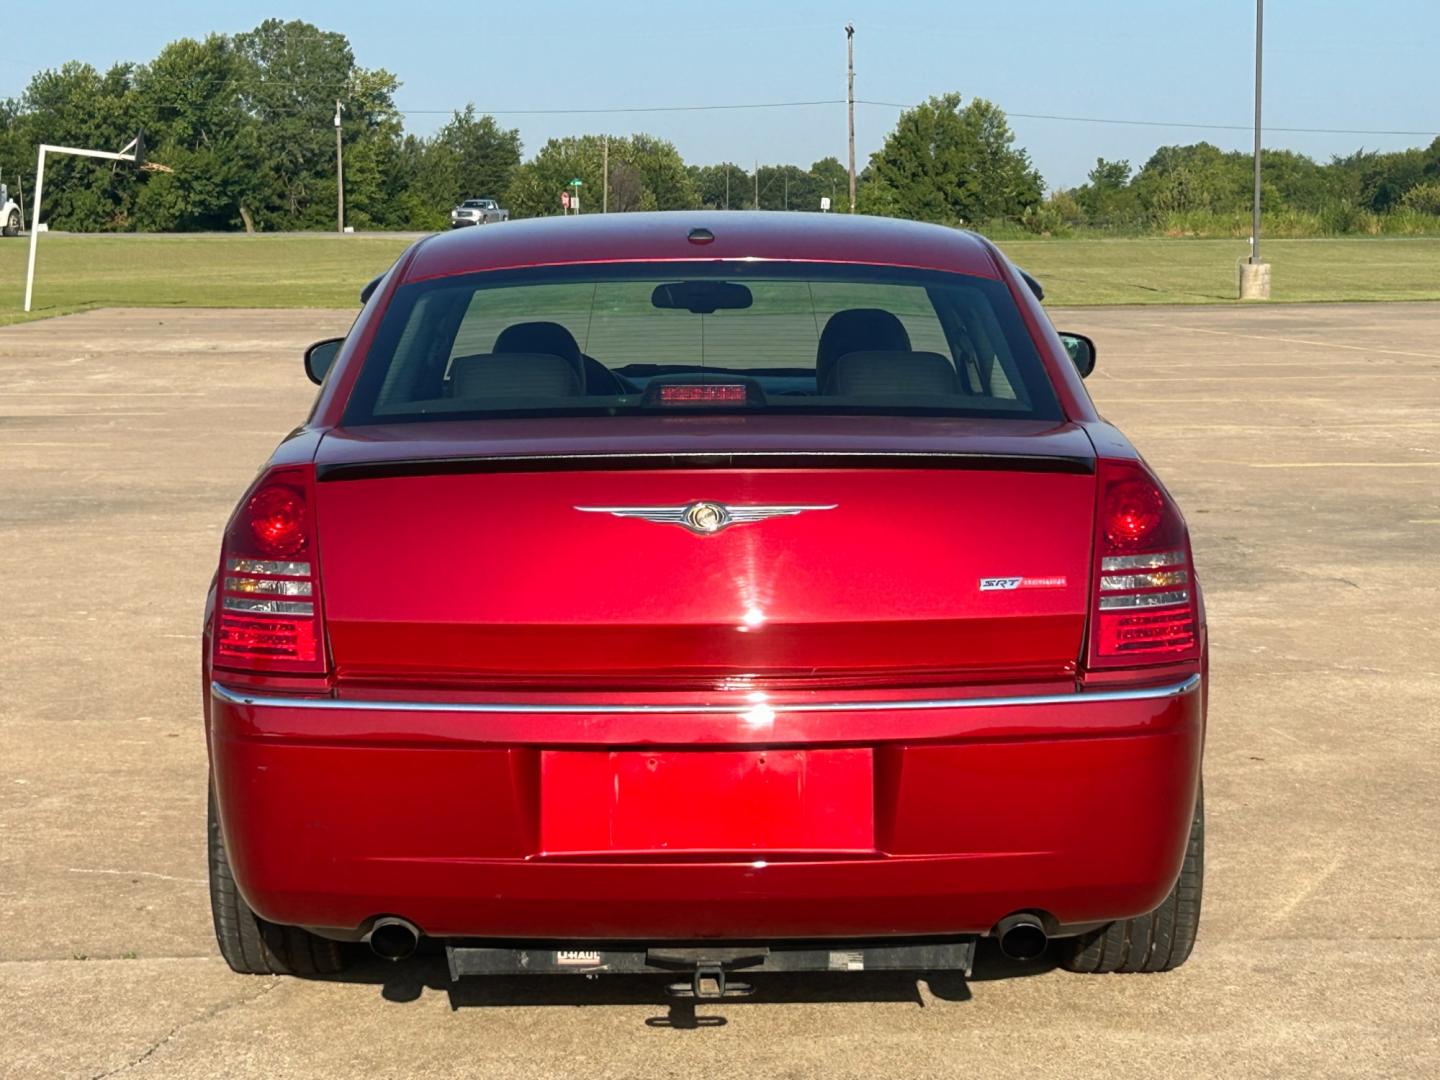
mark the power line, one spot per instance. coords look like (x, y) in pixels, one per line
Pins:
(1178, 123)
(903, 105)
(1223, 127)
(743, 106)
(629, 109)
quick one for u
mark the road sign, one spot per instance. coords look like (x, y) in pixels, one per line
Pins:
(825, 202)
(575, 183)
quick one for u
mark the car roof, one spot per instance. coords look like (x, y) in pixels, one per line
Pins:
(738, 234)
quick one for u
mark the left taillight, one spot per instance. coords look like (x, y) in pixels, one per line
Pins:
(268, 613)
(1144, 601)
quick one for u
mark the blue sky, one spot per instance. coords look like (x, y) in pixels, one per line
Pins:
(1329, 64)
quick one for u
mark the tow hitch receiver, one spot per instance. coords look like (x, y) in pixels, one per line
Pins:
(708, 969)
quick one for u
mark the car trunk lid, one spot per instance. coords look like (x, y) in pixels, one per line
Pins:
(525, 554)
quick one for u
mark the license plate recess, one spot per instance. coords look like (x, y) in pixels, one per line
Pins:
(696, 801)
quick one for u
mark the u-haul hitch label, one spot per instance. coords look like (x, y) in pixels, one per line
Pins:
(1006, 584)
(576, 958)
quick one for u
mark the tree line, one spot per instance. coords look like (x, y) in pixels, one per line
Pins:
(247, 123)
(1201, 189)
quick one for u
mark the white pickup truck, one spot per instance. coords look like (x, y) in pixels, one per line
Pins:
(477, 212)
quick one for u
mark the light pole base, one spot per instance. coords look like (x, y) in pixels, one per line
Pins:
(1254, 281)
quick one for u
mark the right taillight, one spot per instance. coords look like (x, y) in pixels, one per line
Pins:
(268, 615)
(1144, 607)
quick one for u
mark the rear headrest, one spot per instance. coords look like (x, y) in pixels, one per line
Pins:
(538, 337)
(515, 375)
(879, 373)
(857, 330)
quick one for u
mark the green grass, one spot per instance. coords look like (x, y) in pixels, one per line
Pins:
(1160, 271)
(75, 273)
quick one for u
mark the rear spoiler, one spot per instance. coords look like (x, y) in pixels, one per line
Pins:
(449, 466)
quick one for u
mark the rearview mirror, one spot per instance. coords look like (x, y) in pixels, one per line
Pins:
(701, 297)
(1081, 350)
(320, 356)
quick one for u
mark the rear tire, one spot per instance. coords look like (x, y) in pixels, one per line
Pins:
(249, 944)
(1160, 941)
(12, 224)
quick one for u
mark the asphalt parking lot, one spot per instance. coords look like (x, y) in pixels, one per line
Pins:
(1304, 444)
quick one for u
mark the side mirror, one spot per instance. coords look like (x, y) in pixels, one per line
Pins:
(320, 356)
(1081, 350)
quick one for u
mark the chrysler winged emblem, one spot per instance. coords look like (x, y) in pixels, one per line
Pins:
(704, 518)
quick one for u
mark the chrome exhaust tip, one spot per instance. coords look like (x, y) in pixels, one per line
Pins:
(393, 938)
(1022, 937)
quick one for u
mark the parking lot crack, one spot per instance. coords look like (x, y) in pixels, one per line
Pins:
(204, 1017)
(136, 874)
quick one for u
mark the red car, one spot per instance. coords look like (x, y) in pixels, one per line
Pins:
(705, 593)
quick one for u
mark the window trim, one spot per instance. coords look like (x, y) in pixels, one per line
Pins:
(1024, 351)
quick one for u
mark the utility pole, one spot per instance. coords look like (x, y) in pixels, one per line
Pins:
(757, 185)
(727, 185)
(339, 173)
(1254, 274)
(850, 100)
(605, 183)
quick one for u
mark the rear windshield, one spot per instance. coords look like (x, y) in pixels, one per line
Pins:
(725, 336)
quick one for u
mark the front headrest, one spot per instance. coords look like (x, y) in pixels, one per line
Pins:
(891, 374)
(485, 376)
(538, 337)
(857, 330)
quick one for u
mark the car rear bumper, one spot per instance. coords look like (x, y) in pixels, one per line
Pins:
(1076, 805)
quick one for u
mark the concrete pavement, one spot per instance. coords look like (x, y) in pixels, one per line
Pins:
(1304, 445)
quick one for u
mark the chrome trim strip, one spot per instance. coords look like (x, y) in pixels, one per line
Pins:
(1092, 697)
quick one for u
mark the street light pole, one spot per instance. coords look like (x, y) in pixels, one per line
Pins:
(339, 173)
(1259, 58)
(1254, 274)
